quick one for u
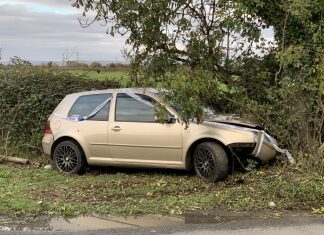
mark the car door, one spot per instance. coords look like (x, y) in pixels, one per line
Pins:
(135, 137)
(92, 132)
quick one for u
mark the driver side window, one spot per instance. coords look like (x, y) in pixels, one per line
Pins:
(129, 109)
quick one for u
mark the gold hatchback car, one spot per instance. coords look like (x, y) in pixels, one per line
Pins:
(119, 127)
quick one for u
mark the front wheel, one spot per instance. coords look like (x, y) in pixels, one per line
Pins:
(68, 157)
(210, 162)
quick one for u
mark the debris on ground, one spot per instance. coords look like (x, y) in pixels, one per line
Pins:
(272, 204)
(14, 159)
(48, 167)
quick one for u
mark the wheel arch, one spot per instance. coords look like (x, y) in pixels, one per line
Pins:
(190, 151)
(64, 138)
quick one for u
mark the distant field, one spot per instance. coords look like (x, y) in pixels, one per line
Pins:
(120, 76)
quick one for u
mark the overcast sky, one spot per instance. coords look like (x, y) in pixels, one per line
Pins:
(41, 30)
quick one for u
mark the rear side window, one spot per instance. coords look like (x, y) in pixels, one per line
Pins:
(84, 105)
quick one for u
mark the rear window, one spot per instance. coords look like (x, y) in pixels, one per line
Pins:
(84, 105)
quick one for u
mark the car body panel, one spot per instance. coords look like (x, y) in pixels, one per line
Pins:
(47, 143)
(146, 144)
(146, 141)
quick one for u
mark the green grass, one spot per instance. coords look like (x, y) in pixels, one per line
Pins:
(27, 191)
(121, 76)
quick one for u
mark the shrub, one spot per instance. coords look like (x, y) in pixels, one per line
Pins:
(75, 65)
(95, 65)
(29, 94)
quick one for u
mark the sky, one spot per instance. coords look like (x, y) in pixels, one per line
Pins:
(42, 30)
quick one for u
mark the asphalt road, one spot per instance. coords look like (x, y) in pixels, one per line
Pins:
(311, 229)
(303, 225)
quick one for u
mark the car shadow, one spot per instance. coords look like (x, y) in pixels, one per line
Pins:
(100, 170)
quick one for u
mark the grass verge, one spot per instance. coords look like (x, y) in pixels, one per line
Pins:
(28, 191)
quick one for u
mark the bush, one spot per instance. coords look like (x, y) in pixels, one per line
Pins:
(95, 65)
(75, 65)
(29, 95)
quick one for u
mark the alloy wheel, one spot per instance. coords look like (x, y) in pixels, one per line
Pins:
(205, 163)
(67, 158)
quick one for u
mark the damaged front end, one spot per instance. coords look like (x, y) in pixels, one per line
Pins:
(262, 149)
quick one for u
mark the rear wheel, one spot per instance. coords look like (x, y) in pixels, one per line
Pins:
(68, 157)
(210, 162)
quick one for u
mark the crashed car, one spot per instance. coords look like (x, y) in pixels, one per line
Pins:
(119, 127)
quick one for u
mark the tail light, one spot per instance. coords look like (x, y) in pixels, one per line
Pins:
(47, 129)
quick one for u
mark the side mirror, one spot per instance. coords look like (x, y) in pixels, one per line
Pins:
(168, 119)
(171, 120)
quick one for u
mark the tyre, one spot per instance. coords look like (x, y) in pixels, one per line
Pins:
(210, 162)
(69, 158)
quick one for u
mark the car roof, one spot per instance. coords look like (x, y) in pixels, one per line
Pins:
(93, 92)
(150, 90)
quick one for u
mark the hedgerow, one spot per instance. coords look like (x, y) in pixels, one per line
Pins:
(28, 95)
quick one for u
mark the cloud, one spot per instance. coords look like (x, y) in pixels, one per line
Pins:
(36, 33)
(44, 29)
(53, 3)
(57, 6)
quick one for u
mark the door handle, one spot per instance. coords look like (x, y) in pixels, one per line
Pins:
(116, 128)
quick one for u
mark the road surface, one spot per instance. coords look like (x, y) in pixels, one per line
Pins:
(299, 225)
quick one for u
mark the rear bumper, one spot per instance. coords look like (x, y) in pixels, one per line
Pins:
(47, 142)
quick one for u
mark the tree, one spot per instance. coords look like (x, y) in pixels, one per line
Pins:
(204, 54)
(164, 33)
(95, 65)
(75, 64)
(298, 28)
